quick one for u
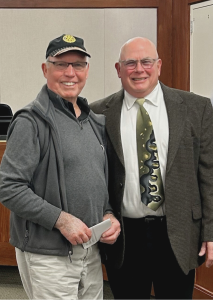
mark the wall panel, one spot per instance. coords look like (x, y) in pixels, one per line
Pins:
(25, 34)
(201, 68)
(77, 4)
(164, 29)
(180, 42)
(164, 40)
(24, 42)
(120, 25)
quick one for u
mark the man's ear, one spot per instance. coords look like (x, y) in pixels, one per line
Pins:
(44, 69)
(118, 68)
(159, 64)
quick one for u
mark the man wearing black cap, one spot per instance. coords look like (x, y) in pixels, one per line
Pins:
(53, 178)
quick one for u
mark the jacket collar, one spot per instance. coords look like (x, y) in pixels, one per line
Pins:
(113, 118)
(177, 112)
(67, 107)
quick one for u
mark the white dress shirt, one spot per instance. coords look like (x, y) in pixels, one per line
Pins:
(133, 207)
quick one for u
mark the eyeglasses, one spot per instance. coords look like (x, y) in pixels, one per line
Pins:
(62, 65)
(131, 64)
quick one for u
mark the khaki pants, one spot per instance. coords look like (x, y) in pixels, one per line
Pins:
(55, 277)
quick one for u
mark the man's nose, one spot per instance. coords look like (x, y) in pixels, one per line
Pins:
(139, 67)
(70, 71)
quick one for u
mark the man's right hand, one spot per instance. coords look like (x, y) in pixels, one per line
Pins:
(73, 229)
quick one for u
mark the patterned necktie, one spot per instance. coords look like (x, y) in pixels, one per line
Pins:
(151, 186)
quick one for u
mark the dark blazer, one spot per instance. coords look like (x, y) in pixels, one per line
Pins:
(189, 173)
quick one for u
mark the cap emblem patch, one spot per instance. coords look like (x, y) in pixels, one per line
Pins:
(69, 38)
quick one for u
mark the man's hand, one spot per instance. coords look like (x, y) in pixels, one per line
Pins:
(110, 236)
(73, 229)
(207, 248)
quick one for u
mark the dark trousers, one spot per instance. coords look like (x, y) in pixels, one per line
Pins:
(149, 259)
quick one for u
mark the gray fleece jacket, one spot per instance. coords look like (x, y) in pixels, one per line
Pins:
(34, 189)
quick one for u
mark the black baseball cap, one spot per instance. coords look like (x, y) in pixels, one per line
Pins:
(66, 43)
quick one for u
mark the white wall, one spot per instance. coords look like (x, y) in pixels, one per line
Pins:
(201, 48)
(25, 34)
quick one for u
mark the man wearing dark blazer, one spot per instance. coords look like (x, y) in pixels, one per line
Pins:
(160, 246)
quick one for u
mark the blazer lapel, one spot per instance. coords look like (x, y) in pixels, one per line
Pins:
(113, 118)
(176, 117)
(177, 112)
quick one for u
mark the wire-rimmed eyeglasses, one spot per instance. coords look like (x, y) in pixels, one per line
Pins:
(62, 65)
(146, 63)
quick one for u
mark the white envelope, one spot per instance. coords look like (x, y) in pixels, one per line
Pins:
(97, 231)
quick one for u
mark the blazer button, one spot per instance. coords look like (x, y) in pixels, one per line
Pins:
(121, 184)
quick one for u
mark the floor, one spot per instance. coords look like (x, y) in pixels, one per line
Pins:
(11, 286)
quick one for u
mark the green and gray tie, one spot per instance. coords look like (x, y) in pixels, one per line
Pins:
(151, 186)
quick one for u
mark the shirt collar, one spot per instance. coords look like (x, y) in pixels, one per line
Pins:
(61, 104)
(153, 97)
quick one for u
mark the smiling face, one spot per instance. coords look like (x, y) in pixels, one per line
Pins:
(66, 83)
(139, 82)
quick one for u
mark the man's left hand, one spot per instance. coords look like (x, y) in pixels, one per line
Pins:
(110, 236)
(207, 248)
